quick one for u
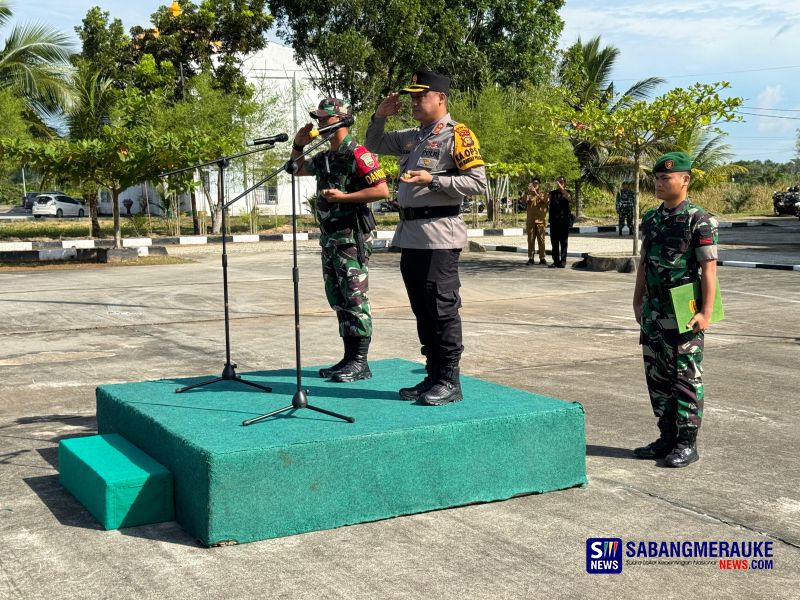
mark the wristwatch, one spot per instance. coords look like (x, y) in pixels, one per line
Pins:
(435, 185)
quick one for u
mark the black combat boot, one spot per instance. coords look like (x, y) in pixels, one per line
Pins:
(413, 393)
(663, 445)
(327, 372)
(685, 452)
(355, 367)
(446, 388)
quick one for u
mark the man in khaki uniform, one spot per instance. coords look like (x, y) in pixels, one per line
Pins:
(440, 163)
(535, 223)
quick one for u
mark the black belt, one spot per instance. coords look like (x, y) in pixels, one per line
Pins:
(333, 225)
(411, 213)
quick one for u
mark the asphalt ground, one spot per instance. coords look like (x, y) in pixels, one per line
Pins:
(566, 333)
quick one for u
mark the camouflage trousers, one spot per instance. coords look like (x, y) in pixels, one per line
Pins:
(347, 286)
(625, 216)
(672, 367)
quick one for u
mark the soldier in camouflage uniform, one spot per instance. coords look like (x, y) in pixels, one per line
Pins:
(626, 199)
(679, 246)
(348, 177)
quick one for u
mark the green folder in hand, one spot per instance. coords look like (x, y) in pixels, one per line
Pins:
(687, 301)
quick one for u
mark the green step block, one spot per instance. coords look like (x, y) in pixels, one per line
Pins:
(305, 471)
(119, 484)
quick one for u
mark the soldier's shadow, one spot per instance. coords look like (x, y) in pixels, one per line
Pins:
(610, 452)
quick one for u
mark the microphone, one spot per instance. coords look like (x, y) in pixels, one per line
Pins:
(346, 122)
(273, 139)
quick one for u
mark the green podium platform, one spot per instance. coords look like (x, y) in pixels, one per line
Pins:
(304, 471)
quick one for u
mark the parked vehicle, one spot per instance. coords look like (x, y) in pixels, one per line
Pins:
(28, 200)
(468, 205)
(785, 203)
(58, 205)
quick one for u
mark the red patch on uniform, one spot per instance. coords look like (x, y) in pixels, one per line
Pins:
(706, 241)
(433, 145)
(437, 129)
(366, 161)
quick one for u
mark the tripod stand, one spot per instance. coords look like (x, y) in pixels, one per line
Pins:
(300, 398)
(229, 371)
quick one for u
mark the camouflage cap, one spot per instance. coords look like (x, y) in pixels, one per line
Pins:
(332, 107)
(673, 162)
(428, 81)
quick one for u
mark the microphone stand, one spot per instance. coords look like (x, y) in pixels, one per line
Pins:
(229, 370)
(300, 398)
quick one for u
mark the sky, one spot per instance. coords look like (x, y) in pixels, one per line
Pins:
(752, 44)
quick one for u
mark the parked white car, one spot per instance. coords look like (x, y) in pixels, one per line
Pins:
(58, 205)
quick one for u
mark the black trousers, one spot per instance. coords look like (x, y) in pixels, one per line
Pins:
(432, 283)
(559, 236)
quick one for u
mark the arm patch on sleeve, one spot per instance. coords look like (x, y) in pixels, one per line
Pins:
(705, 231)
(367, 167)
(466, 149)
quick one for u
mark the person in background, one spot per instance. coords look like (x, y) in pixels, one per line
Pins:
(626, 200)
(560, 221)
(536, 203)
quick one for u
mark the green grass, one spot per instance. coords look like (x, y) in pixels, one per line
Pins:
(728, 201)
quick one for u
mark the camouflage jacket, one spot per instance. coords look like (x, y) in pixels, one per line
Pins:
(626, 199)
(674, 243)
(350, 168)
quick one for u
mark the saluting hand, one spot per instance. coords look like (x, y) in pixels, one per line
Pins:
(303, 137)
(390, 106)
(417, 177)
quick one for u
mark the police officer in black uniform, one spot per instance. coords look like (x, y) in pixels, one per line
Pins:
(440, 164)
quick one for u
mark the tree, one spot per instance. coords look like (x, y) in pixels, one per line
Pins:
(585, 72)
(106, 46)
(94, 97)
(638, 128)
(364, 50)
(710, 157)
(209, 114)
(210, 37)
(35, 62)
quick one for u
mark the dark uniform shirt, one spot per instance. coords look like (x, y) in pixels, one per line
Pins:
(559, 206)
(350, 168)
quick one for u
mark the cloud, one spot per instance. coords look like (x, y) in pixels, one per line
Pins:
(770, 97)
(746, 42)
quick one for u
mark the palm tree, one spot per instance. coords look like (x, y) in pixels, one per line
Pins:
(35, 60)
(710, 155)
(586, 73)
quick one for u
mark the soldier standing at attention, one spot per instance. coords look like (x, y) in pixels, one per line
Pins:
(679, 245)
(348, 177)
(440, 163)
(560, 217)
(626, 200)
(535, 223)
